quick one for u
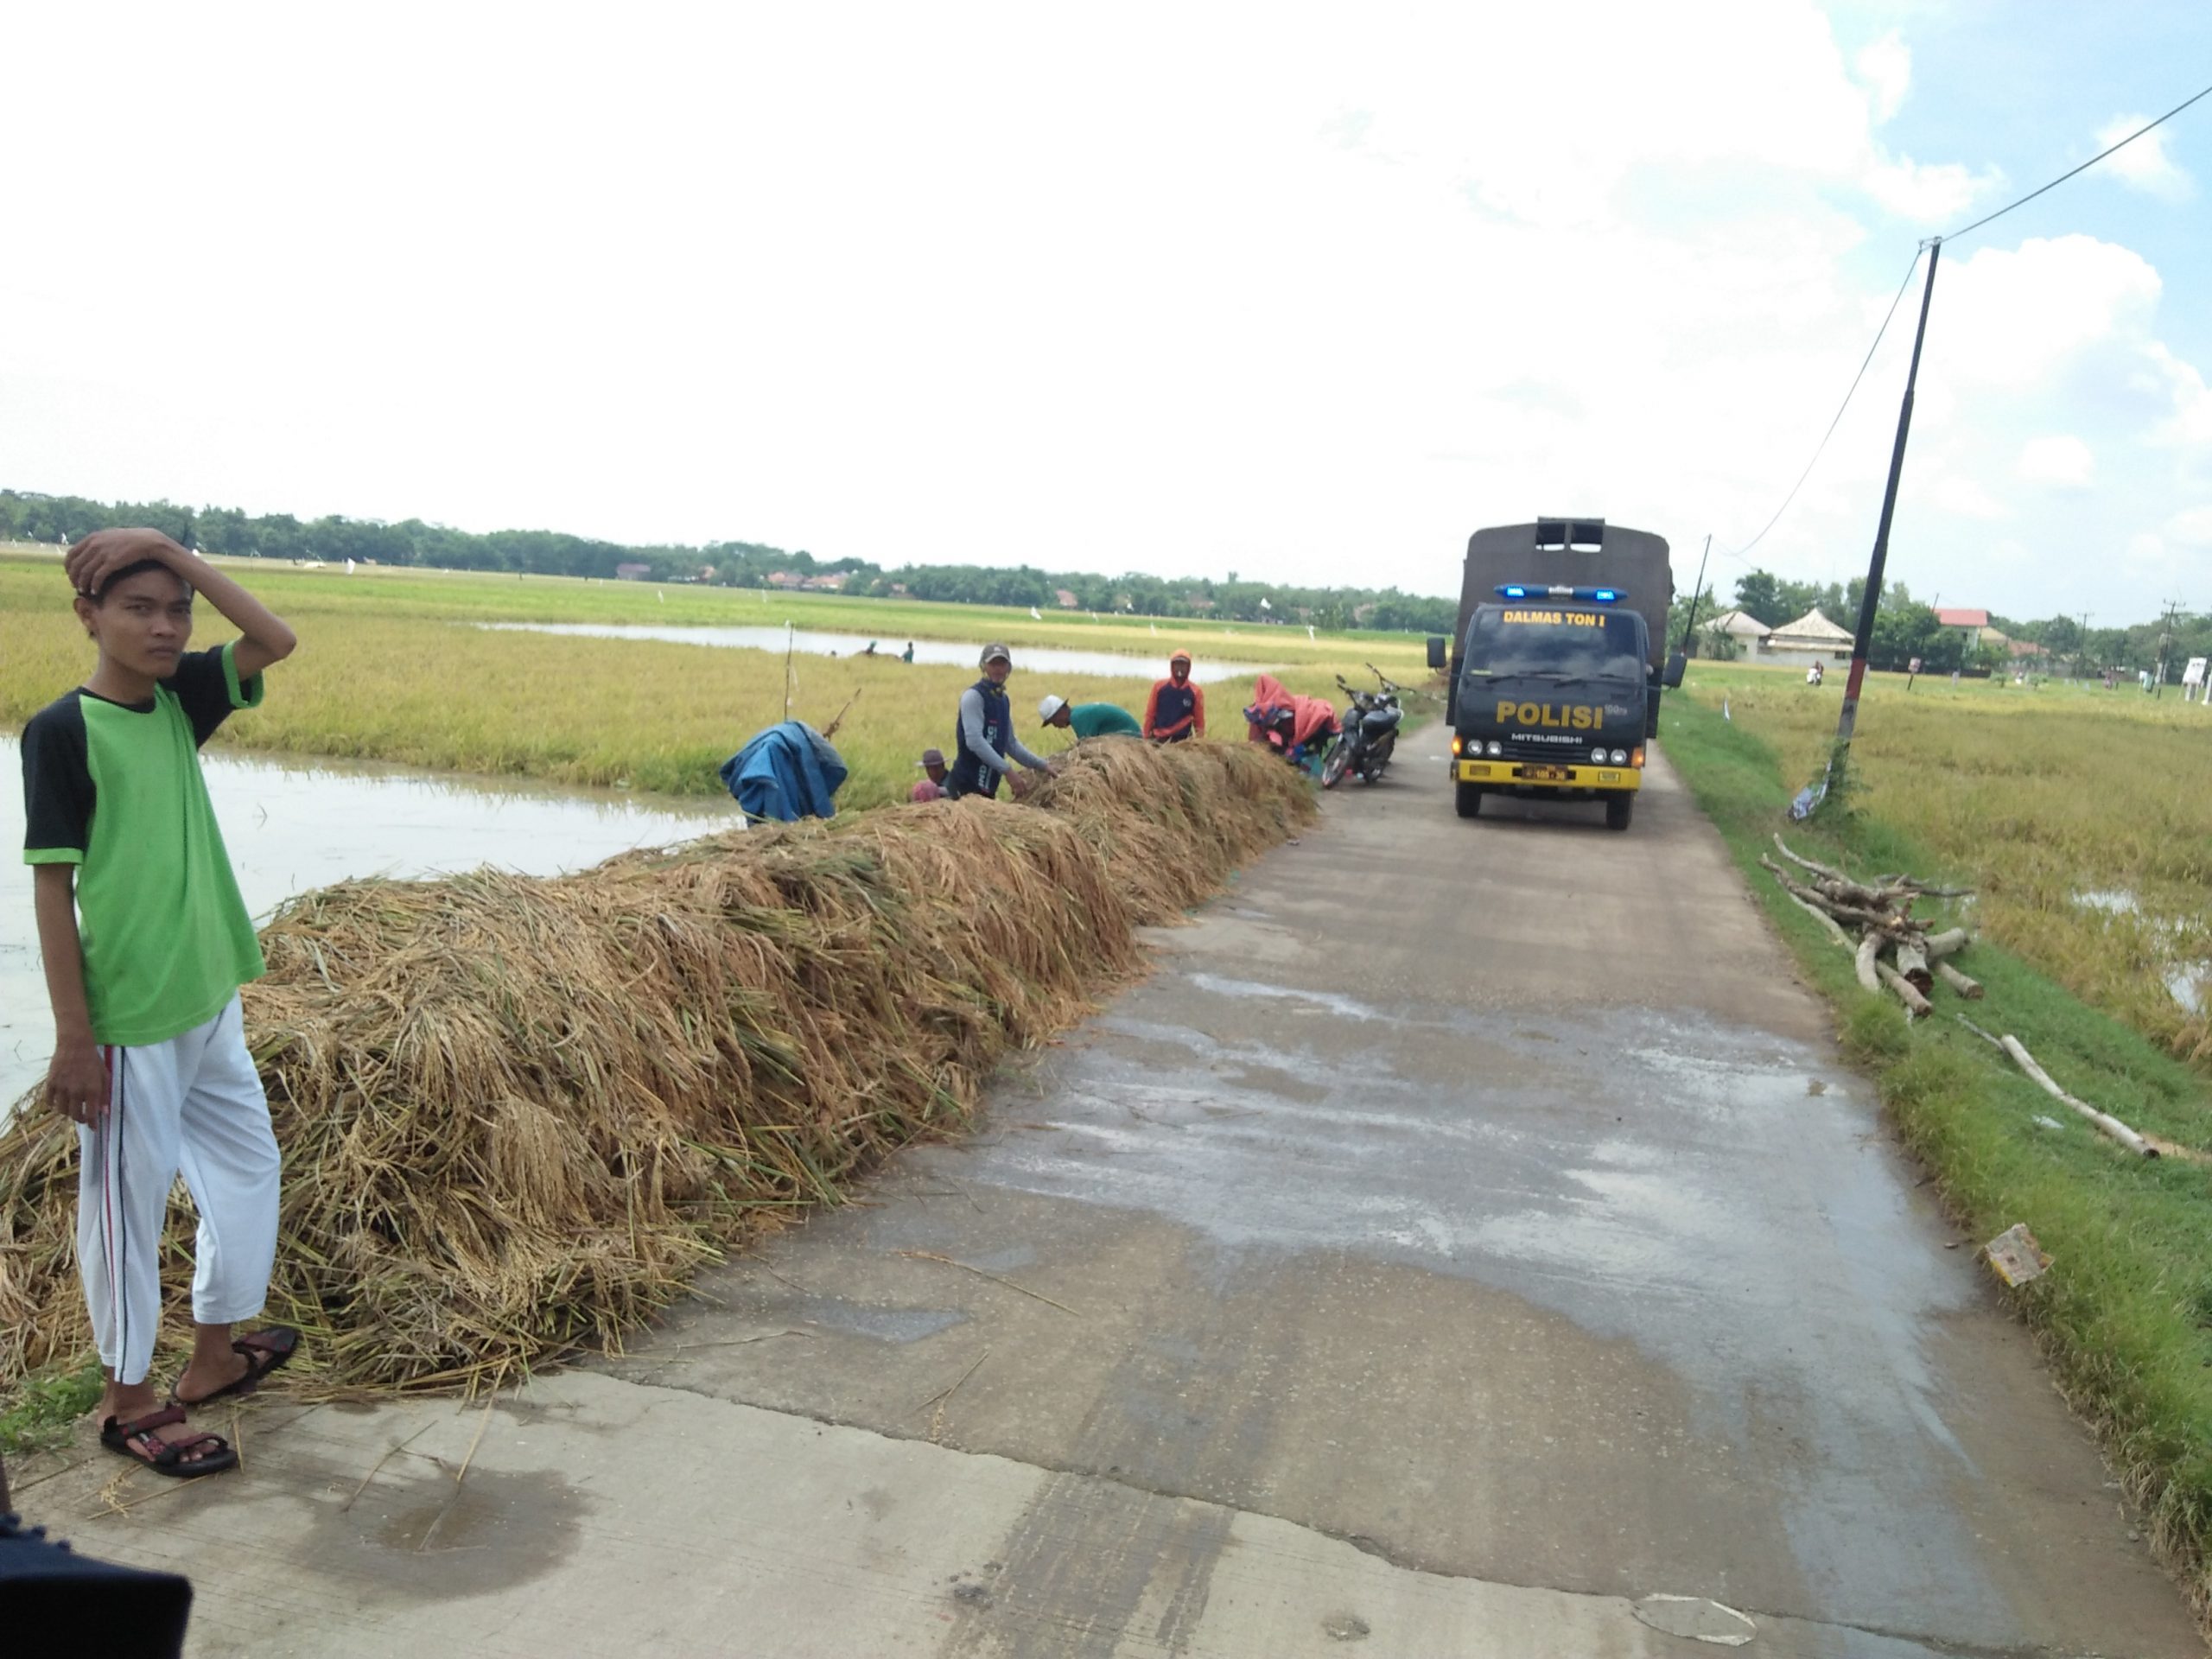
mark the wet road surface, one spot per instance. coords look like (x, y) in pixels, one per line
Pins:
(1465, 1242)
(1489, 1194)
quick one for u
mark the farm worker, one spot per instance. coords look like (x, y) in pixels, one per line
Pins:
(930, 786)
(907, 655)
(1177, 709)
(149, 1052)
(1088, 719)
(985, 746)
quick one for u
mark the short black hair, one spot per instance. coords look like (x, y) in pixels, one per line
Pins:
(99, 596)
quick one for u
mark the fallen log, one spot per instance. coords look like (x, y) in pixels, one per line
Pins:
(1869, 949)
(1907, 992)
(1948, 943)
(2143, 1145)
(2105, 1120)
(1969, 988)
(1912, 962)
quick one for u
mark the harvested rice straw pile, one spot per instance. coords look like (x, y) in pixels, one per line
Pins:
(517, 1114)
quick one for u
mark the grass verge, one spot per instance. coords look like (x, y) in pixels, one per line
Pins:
(37, 1412)
(2125, 1313)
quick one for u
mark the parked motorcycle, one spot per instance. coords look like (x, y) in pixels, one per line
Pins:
(1370, 732)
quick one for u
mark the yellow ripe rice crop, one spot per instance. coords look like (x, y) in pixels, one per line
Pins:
(517, 1113)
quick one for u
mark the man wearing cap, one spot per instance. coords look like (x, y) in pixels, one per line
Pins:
(931, 785)
(985, 748)
(1177, 710)
(1088, 719)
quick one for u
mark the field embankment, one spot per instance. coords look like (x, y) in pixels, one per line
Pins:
(517, 1113)
(2125, 1313)
(2083, 817)
(392, 668)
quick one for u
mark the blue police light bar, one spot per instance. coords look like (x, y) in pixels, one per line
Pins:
(1528, 590)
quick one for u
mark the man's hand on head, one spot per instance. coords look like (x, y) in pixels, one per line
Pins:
(100, 555)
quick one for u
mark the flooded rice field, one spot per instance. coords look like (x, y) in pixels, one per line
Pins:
(290, 826)
(960, 654)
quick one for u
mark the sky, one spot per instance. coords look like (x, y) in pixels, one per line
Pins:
(1314, 290)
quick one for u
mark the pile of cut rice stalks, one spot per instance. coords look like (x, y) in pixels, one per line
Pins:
(517, 1113)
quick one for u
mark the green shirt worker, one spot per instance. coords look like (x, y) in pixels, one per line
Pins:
(1088, 718)
(146, 943)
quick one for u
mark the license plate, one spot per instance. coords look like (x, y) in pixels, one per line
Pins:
(1544, 775)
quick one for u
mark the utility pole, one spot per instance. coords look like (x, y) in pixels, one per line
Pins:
(1696, 594)
(2165, 639)
(2082, 647)
(1872, 599)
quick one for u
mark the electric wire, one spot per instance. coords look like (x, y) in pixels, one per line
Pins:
(1818, 448)
(1967, 229)
(2084, 167)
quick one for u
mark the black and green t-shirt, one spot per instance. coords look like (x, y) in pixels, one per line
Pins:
(114, 788)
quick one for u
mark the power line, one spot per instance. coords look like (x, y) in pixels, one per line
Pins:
(2084, 167)
(1817, 448)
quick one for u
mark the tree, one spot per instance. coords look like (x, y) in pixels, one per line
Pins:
(1759, 594)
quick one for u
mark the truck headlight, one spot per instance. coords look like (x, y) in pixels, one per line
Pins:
(1598, 754)
(1620, 757)
(1495, 748)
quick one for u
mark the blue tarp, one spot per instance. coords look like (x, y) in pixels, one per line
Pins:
(787, 771)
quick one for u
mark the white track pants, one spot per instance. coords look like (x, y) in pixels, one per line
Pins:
(193, 1104)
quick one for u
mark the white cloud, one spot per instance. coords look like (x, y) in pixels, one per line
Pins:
(2012, 318)
(1207, 287)
(1964, 498)
(1927, 194)
(2064, 462)
(1886, 66)
(2147, 164)
(2192, 528)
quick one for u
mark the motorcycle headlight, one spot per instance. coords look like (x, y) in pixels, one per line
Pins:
(1620, 757)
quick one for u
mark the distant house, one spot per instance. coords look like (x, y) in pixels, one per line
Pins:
(1972, 624)
(1198, 603)
(2015, 649)
(1063, 597)
(1811, 638)
(898, 588)
(785, 579)
(829, 582)
(1740, 625)
(633, 572)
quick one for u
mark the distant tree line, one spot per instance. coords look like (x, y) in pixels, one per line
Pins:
(228, 532)
(1904, 628)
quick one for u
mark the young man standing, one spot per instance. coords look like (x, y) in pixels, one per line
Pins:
(986, 748)
(1176, 711)
(146, 942)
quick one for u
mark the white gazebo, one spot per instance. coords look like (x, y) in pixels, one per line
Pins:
(1811, 638)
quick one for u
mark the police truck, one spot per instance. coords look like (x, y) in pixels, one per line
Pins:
(1556, 665)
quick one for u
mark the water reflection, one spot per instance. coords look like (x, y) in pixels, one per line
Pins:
(291, 826)
(961, 655)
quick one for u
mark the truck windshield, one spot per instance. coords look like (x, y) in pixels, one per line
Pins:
(1548, 642)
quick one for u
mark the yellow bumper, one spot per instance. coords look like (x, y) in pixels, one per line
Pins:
(1527, 774)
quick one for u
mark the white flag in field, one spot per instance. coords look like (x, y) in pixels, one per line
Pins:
(1265, 605)
(1035, 615)
(1309, 631)
(349, 567)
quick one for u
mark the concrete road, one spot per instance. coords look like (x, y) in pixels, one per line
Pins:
(1466, 1242)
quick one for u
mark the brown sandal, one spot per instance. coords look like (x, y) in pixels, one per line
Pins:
(170, 1459)
(265, 1351)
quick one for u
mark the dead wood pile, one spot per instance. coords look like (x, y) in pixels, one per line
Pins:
(518, 1112)
(1874, 920)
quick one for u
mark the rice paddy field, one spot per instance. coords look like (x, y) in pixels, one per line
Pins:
(2082, 818)
(392, 666)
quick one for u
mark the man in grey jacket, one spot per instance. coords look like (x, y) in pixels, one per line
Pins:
(986, 748)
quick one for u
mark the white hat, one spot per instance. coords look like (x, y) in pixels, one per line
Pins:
(1048, 707)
